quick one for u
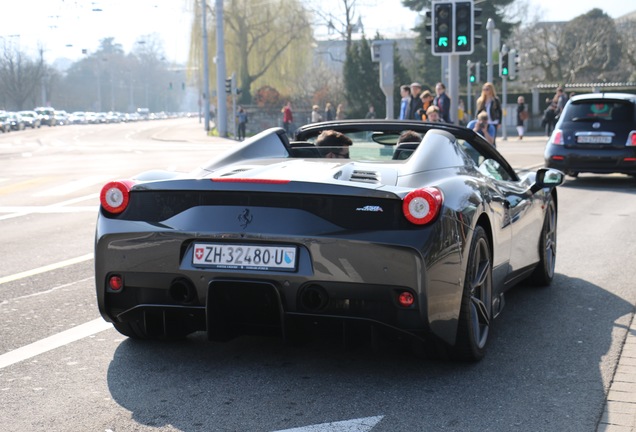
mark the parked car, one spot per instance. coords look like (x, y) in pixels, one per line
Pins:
(61, 117)
(419, 239)
(17, 123)
(78, 117)
(31, 119)
(596, 133)
(47, 114)
(5, 122)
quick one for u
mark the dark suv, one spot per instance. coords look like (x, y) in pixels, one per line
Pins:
(596, 133)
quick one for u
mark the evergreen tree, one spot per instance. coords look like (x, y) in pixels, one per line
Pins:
(361, 77)
(362, 80)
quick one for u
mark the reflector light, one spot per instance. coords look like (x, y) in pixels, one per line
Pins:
(557, 137)
(406, 299)
(115, 195)
(422, 205)
(248, 180)
(115, 282)
(629, 159)
(558, 158)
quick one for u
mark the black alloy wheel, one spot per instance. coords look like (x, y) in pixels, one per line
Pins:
(476, 308)
(544, 272)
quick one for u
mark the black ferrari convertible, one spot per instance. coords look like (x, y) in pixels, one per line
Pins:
(414, 234)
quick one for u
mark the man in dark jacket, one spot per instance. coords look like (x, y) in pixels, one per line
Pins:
(416, 102)
(443, 102)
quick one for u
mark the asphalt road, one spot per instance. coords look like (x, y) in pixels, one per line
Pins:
(551, 356)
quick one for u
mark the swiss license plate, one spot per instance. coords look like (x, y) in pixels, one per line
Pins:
(245, 256)
(594, 139)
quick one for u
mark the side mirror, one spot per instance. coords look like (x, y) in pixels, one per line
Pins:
(547, 178)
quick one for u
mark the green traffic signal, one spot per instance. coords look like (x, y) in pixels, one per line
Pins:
(505, 71)
(442, 41)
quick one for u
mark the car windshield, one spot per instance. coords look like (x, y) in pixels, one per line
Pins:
(366, 146)
(593, 110)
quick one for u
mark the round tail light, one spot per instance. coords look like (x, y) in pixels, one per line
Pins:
(422, 205)
(115, 196)
(406, 299)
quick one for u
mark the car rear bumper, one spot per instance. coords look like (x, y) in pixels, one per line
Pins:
(346, 280)
(597, 161)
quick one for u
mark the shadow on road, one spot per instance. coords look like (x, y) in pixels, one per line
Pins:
(541, 374)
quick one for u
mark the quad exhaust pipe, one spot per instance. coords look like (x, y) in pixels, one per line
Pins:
(182, 291)
(314, 298)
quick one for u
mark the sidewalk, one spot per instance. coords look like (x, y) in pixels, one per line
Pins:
(619, 414)
(187, 130)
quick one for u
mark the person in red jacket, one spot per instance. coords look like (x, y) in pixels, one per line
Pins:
(288, 117)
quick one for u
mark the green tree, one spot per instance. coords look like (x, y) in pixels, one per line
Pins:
(266, 43)
(401, 76)
(362, 80)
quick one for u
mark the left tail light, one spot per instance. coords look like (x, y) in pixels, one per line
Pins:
(557, 137)
(115, 196)
(421, 206)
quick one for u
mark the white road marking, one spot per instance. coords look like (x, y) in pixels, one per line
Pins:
(356, 425)
(17, 211)
(45, 268)
(73, 186)
(55, 208)
(50, 343)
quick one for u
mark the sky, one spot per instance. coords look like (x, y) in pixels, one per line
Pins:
(65, 27)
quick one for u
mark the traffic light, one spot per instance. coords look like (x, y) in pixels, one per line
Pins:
(471, 72)
(476, 25)
(514, 64)
(442, 28)
(464, 27)
(228, 85)
(504, 70)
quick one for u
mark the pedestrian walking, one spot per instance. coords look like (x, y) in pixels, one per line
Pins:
(522, 116)
(241, 116)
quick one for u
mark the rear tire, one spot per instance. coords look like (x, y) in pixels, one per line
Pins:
(544, 272)
(476, 308)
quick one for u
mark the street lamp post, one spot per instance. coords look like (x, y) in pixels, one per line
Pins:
(206, 70)
(490, 26)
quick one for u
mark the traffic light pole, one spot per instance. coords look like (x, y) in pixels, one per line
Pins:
(504, 102)
(453, 86)
(469, 90)
(221, 112)
(504, 90)
(490, 26)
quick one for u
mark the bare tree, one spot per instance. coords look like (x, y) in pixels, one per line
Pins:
(586, 49)
(341, 21)
(20, 78)
(592, 48)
